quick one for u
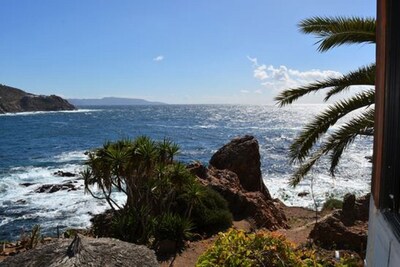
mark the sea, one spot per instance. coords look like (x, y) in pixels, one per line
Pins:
(36, 145)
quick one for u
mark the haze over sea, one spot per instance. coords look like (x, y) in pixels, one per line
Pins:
(36, 145)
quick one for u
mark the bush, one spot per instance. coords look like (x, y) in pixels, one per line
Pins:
(133, 226)
(173, 227)
(332, 203)
(212, 214)
(236, 248)
(162, 196)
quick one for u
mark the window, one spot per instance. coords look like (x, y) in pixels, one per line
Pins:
(389, 195)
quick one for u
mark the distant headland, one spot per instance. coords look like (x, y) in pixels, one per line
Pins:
(112, 101)
(16, 100)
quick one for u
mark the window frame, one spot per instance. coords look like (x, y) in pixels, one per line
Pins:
(387, 180)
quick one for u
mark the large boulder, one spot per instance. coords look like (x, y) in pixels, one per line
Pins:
(264, 212)
(346, 228)
(84, 251)
(242, 156)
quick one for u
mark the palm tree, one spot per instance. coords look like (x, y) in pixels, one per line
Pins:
(314, 141)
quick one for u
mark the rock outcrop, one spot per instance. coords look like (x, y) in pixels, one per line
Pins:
(242, 156)
(16, 100)
(235, 173)
(84, 251)
(64, 174)
(52, 188)
(346, 228)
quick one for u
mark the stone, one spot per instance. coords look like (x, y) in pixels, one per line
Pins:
(85, 251)
(64, 174)
(242, 156)
(52, 188)
(333, 233)
(348, 213)
(303, 194)
(264, 212)
(26, 184)
(346, 228)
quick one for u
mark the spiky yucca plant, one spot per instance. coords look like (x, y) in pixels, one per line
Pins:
(332, 32)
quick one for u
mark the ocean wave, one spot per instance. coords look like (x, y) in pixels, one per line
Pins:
(71, 156)
(324, 187)
(27, 113)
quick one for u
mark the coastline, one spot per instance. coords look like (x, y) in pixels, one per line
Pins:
(58, 140)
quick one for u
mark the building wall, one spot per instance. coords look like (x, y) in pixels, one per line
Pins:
(383, 246)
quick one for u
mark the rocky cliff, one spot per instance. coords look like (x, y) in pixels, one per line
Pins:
(235, 173)
(16, 100)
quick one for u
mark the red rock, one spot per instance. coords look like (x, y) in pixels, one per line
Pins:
(344, 229)
(263, 211)
(242, 156)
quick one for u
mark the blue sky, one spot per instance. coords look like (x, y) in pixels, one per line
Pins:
(175, 51)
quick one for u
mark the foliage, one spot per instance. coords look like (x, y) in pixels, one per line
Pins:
(163, 198)
(212, 213)
(133, 226)
(332, 203)
(31, 240)
(316, 139)
(70, 233)
(173, 227)
(236, 248)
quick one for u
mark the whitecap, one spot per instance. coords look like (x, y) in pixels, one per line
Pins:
(27, 113)
(71, 156)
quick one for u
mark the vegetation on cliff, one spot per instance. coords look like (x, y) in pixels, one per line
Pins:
(16, 100)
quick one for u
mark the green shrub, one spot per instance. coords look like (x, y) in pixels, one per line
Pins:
(212, 213)
(133, 226)
(173, 227)
(156, 186)
(332, 203)
(236, 248)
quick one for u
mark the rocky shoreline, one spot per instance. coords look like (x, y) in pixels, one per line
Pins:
(234, 172)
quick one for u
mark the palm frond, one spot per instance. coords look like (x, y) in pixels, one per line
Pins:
(362, 76)
(304, 168)
(345, 135)
(311, 132)
(335, 144)
(336, 31)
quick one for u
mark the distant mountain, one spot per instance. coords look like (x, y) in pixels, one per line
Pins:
(15, 100)
(112, 101)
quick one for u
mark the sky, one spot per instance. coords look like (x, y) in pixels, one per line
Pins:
(174, 51)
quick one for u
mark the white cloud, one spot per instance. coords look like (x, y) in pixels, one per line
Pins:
(260, 72)
(254, 60)
(244, 91)
(282, 77)
(259, 91)
(158, 58)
